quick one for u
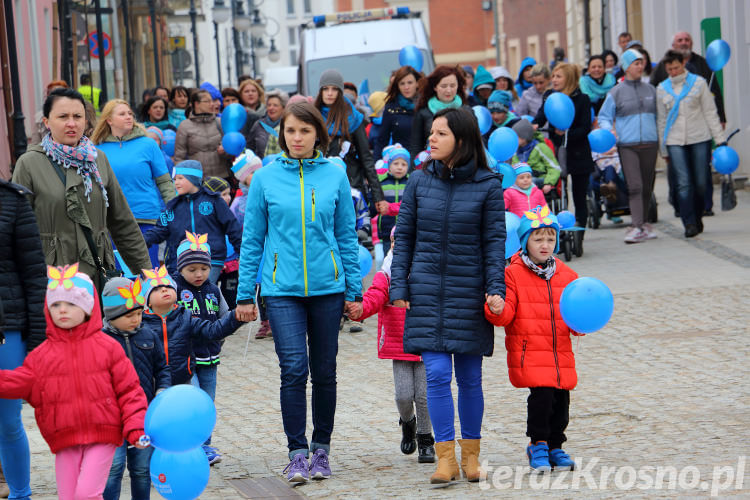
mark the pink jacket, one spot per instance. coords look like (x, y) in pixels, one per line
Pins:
(517, 202)
(390, 320)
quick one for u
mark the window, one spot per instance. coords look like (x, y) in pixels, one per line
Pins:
(292, 35)
(553, 40)
(293, 56)
(290, 7)
(514, 55)
(532, 45)
(308, 7)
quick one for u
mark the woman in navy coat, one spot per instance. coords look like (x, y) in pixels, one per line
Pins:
(449, 252)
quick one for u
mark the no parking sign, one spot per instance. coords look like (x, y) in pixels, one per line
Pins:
(95, 45)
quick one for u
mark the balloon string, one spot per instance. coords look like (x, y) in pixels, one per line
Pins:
(578, 341)
(711, 80)
(565, 145)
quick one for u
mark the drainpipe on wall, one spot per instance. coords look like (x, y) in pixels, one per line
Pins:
(586, 30)
(19, 130)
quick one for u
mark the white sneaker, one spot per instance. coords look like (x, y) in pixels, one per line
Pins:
(649, 230)
(635, 235)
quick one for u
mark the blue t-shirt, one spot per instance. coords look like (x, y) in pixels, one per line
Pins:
(136, 163)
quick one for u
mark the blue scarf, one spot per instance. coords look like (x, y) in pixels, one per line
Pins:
(525, 151)
(595, 90)
(355, 119)
(675, 111)
(436, 104)
(407, 104)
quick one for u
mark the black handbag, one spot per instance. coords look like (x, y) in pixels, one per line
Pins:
(728, 196)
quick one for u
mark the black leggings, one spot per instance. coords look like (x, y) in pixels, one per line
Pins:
(548, 415)
(579, 186)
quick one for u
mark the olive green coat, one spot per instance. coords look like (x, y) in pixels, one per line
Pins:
(59, 211)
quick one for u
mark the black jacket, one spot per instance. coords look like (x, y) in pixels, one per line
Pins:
(396, 125)
(23, 272)
(144, 350)
(449, 252)
(360, 165)
(698, 65)
(579, 160)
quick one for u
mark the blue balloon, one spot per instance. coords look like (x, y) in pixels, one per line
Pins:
(717, 54)
(512, 242)
(508, 173)
(234, 143)
(586, 305)
(365, 261)
(411, 56)
(268, 159)
(503, 143)
(379, 256)
(233, 118)
(566, 219)
(169, 139)
(601, 140)
(559, 110)
(180, 418)
(725, 160)
(484, 118)
(180, 475)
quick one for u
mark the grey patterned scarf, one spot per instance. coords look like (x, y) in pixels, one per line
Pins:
(545, 272)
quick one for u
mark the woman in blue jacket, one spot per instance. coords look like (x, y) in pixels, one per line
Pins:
(449, 253)
(399, 110)
(300, 220)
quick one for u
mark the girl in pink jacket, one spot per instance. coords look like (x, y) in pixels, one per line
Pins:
(409, 376)
(523, 195)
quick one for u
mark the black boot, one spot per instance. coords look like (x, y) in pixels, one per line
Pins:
(408, 435)
(426, 450)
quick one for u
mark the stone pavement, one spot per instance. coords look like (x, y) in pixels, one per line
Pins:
(662, 386)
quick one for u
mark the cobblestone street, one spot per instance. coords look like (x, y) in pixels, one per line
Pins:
(664, 384)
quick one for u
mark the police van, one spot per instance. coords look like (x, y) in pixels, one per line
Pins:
(362, 45)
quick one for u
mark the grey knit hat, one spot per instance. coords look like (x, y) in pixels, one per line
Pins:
(332, 77)
(524, 129)
(119, 297)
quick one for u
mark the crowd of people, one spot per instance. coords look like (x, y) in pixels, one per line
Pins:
(215, 240)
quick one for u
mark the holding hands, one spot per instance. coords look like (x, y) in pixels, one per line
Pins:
(353, 309)
(496, 303)
(246, 312)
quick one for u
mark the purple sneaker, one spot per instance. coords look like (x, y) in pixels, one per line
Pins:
(319, 467)
(297, 470)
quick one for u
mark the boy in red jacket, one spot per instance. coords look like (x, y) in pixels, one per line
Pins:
(85, 392)
(409, 375)
(540, 355)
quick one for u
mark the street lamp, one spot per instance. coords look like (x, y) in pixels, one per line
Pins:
(260, 48)
(220, 12)
(274, 55)
(242, 21)
(258, 26)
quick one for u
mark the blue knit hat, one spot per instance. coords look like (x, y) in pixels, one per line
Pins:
(522, 168)
(395, 151)
(499, 101)
(483, 78)
(534, 219)
(152, 279)
(194, 249)
(628, 57)
(215, 93)
(190, 169)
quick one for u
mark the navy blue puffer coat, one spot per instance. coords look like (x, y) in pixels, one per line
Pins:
(449, 252)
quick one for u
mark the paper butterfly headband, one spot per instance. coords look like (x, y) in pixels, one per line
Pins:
(539, 217)
(131, 296)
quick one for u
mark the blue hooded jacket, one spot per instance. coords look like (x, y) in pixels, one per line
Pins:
(201, 212)
(300, 218)
(522, 84)
(204, 302)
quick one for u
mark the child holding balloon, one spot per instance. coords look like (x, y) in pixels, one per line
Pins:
(199, 210)
(85, 392)
(540, 355)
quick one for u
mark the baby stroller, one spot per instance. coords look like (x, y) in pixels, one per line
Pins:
(571, 237)
(608, 192)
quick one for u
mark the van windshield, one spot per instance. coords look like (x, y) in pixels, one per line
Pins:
(375, 67)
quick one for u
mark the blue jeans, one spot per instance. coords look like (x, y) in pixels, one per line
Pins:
(689, 169)
(213, 276)
(306, 333)
(207, 380)
(153, 250)
(439, 369)
(14, 445)
(138, 462)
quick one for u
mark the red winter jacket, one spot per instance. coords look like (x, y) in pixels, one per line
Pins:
(537, 340)
(82, 386)
(390, 320)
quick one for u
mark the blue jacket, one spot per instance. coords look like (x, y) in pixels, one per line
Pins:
(631, 105)
(179, 329)
(449, 252)
(395, 128)
(393, 189)
(201, 212)
(145, 351)
(521, 84)
(300, 218)
(204, 302)
(137, 163)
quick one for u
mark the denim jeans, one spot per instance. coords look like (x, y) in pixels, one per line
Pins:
(689, 169)
(14, 445)
(207, 380)
(153, 250)
(138, 462)
(439, 368)
(306, 333)
(213, 275)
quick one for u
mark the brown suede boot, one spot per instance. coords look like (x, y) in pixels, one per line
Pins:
(470, 460)
(4, 490)
(447, 468)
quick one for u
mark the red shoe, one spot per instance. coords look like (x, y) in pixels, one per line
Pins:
(264, 331)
